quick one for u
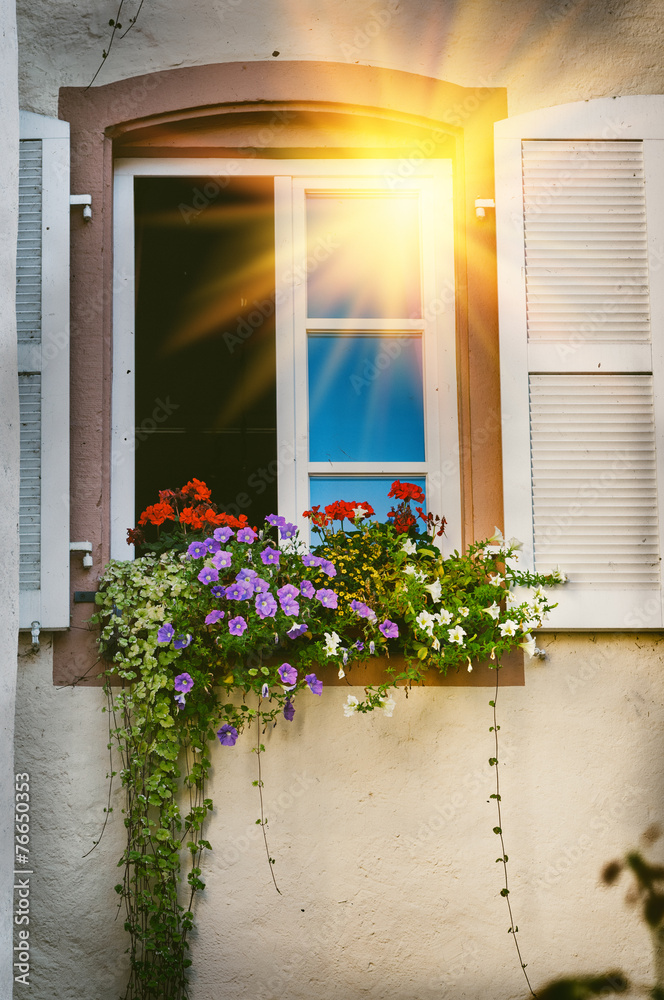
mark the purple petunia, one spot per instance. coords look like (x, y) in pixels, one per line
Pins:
(359, 645)
(218, 591)
(290, 607)
(197, 550)
(307, 588)
(288, 674)
(265, 691)
(327, 598)
(165, 633)
(247, 574)
(309, 560)
(289, 711)
(182, 641)
(315, 686)
(208, 575)
(184, 683)
(227, 735)
(222, 559)
(276, 520)
(237, 626)
(363, 610)
(287, 530)
(223, 534)
(266, 606)
(296, 630)
(180, 700)
(260, 585)
(247, 535)
(270, 556)
(389, 629)
(213, 545)
(241, 590)
(214, 617)
(328, 568)
(288, 591)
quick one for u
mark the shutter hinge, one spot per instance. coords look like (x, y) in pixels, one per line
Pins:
(481, 204)
(86, 548)
(86, 201)
(35, 628)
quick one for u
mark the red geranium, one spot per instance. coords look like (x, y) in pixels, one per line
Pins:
(157, 513)
(406, 491)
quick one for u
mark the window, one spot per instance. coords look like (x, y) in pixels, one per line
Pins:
(580, 220)
(294, 316)
(42, 309)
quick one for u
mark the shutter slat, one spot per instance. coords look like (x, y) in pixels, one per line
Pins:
(585, 241)
(594, 478)
(28, 315)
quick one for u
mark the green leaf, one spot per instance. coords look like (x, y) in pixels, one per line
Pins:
(504, 892)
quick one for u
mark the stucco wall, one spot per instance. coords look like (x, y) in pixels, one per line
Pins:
(382, 831)
(544, 51)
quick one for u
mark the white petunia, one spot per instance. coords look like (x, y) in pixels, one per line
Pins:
(558, 575)
(388, 704)
(528, 644)
(463, 612)
(351, 705)
(444, 616)
(426, 622)
(359, 512)
(456, 634)
(332, 643)
(494, 610)
(408, 545)
(342, 672)
(435, 589)
(496, 579)
(508, 628)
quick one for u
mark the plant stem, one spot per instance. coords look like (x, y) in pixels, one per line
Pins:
(505, 893)
(259, 750)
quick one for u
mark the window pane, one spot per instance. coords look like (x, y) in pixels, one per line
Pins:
(205, 342)
(363, 257)
(324, 490)
(366, 400)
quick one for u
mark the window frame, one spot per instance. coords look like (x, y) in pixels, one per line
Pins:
(439, 338)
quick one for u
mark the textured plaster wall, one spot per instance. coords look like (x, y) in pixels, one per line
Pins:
(9, 470)
(382, 831)
(544, 52)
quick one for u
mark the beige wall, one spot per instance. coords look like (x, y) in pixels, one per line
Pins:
(381, 828)
(545, 53)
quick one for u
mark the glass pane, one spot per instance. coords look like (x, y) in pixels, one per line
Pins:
(205, 340)
(366, 401)
(363, 257)
(324, 490)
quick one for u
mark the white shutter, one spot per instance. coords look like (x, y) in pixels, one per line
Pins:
(579, 238)
(42, 309)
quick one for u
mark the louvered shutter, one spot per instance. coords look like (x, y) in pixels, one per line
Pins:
(42, 310)
(579, 239)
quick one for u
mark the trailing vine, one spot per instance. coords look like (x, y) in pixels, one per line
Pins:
(218, 627)
(503, 859)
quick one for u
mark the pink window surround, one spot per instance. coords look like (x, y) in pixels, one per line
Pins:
(325, 109)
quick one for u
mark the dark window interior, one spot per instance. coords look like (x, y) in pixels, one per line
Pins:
(205, 340)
